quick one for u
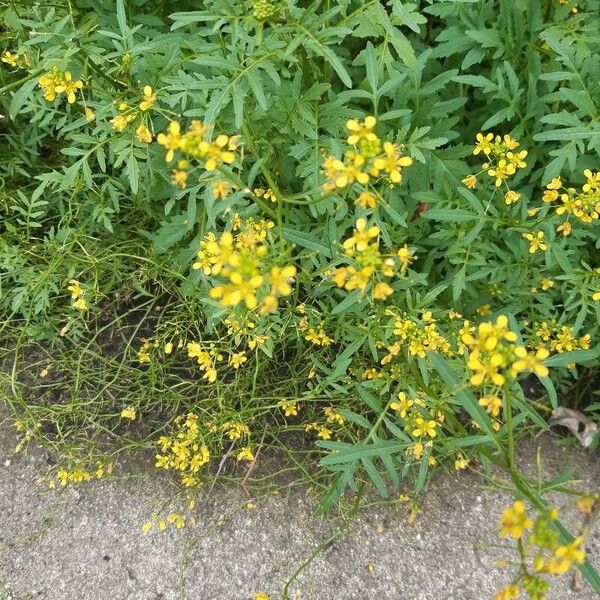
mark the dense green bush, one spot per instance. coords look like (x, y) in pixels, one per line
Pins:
(361, 221)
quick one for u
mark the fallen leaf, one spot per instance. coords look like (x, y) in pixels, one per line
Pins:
(581, 426)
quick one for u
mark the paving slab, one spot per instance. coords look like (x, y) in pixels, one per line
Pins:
(85, 542)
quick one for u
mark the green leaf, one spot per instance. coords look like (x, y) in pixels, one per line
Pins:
(306, 240)
(21, 96)
(577, 356)
(451, 215)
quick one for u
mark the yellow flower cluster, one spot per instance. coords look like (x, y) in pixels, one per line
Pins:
(128, 114)
(194, 144)
(19, 60)
(184, 450)
(418, 423)
(242, 259)
(315, 335)
(501, 161)
(206, 359)
(266, 194)
(363, 247)
(419, 336)
(584, 204)
(367, 158)
(175, 519)
(559, 338)
(549, 556)
(493, 354)
(77, 295)
(58, 82)
(143, 354)
(245, 329)
(289, 407)
(79, 474)
(321, 431)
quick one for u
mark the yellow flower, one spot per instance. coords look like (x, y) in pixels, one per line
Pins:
(486, 369)
(508, 592)
(361, 237)
(179, 177)
(170, 140)
(491, 403)
(10, 59)
(216, 153)
(529, 361)
(565, 228)
(70, 87)
(351, 171)
(470, 181)
(366, 200)
(483, 143)
(221, 189)
(143, 134)
(403, 405)
(361, 131)
(424, 427)
(89, 115)
(128, 413)
(392, 162)
(80, 304)
(596, 295)
(592, 181)
(547, 284)
(566, 556)
(536, 241)
(514, 521)
(461, 462)
(407, 257)
(381, 291)
(281, 278)
(149, 99)
(245, 454)
(75, 288)
(289, 407)
(332, 416)
(237, 359)
(120, 122)
(323, 432)
(511, 197)
(261, 596)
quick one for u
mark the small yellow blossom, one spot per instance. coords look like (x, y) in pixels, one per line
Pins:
(382, 290)
(514, 521)
(237, 359)
(566, 556)
(491, 403)
(361, 130)
(509, 592)
(143, 134)
(470, 181)
(80, 304)
(424, 427)
(149, 99)
(565, 228)
(128, 413)
(245, 454)
(221, 189)
(511, 197)
(536, 241)
(366, 200)
(289, 407)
